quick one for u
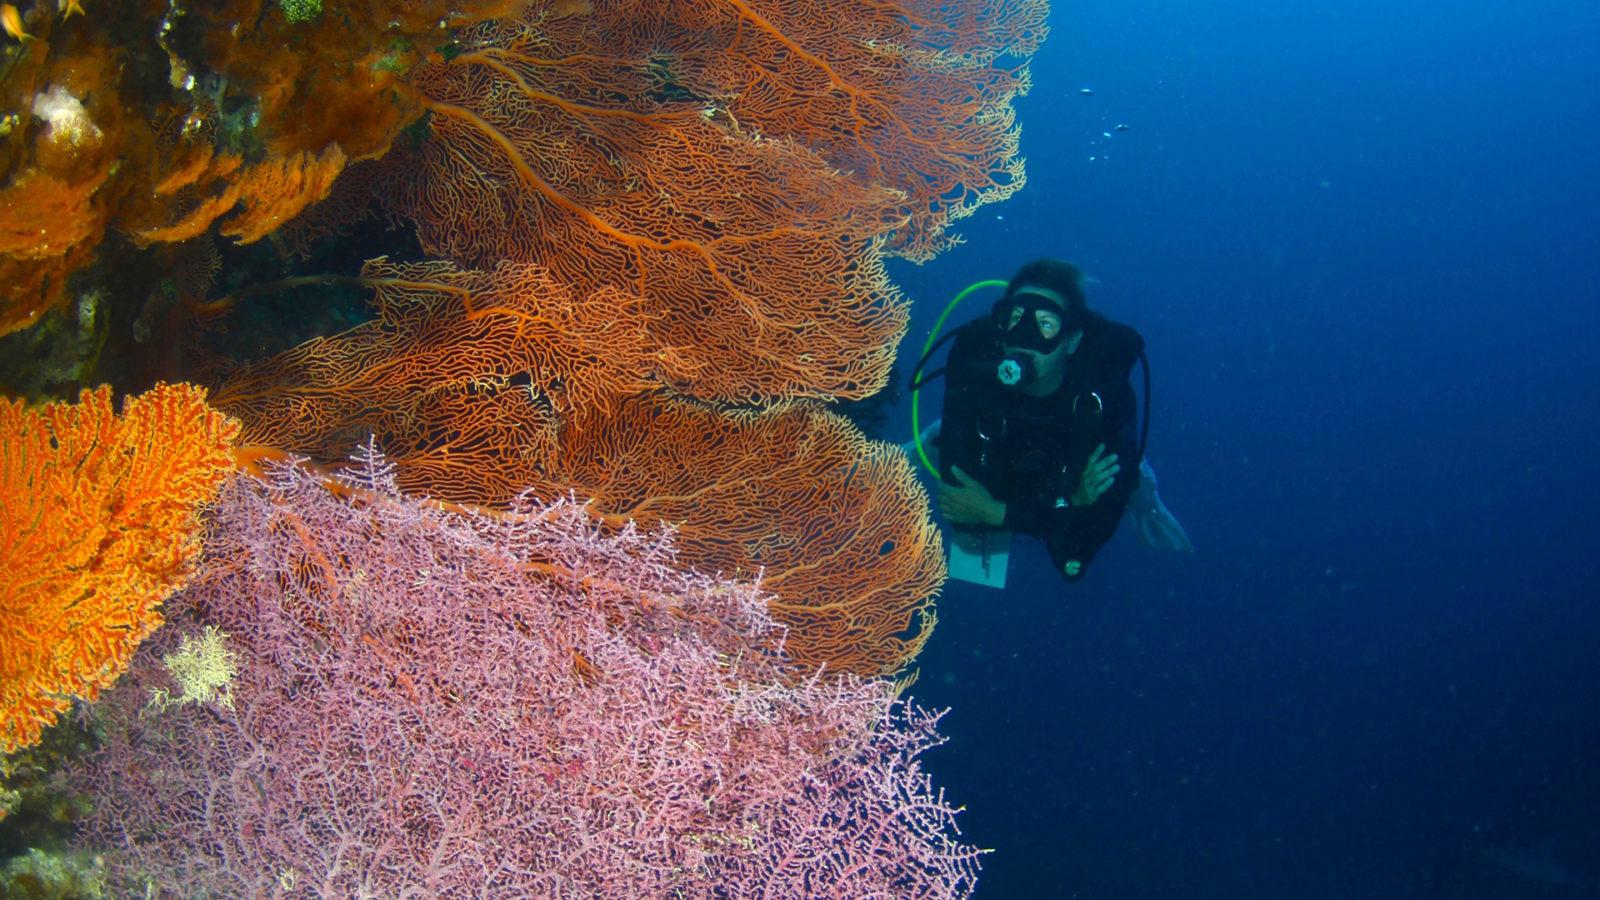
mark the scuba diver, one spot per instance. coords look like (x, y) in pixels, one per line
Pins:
(1039, 431)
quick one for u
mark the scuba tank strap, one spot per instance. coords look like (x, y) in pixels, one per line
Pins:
(918, 379)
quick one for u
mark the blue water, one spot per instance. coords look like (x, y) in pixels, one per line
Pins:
(1362, 243)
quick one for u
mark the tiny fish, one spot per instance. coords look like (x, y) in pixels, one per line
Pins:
(1086, 92)
(11, 20)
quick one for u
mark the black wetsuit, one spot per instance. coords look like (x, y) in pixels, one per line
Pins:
(1031, 451)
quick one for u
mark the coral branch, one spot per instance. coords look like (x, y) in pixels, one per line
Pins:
(97, 527)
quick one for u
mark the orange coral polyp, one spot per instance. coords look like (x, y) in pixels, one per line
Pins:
(261, 198)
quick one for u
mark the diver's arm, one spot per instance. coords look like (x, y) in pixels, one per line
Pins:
(1036, 515)
(1082, 531)
(969, 503)
(1079, 531)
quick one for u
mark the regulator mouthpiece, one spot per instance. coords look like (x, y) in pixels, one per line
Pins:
(1015, 371)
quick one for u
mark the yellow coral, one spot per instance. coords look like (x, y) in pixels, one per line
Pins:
(203, 667)
(97, 528)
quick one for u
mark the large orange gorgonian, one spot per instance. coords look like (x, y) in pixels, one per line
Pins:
(739, 166)
(456, 363)
(836, 524)
(97, 527)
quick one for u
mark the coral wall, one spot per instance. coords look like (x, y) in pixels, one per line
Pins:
(157, 119)
(662, 219)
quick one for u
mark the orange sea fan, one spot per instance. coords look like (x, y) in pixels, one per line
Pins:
(740, 166)
(97, 528)
(755, 257)
(836, 524)
(495, 354)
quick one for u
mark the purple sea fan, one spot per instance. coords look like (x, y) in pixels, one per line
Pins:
(432, 703)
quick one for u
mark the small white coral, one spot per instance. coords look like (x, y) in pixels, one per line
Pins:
(203, 667)
(69, 122)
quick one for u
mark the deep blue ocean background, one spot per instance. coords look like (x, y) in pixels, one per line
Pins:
(1361, 241)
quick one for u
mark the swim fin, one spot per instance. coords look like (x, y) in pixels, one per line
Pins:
(1156, 525)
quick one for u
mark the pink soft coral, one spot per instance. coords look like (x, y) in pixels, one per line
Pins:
(431, 704)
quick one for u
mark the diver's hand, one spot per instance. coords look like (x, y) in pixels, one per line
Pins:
(970, 503)
(1098, 474)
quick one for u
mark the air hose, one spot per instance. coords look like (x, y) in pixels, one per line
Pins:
(927, 350)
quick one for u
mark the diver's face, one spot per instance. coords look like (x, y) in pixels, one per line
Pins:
(1048, 321)
(1021, 341)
